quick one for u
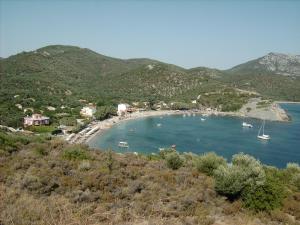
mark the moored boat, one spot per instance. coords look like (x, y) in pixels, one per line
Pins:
(123, 144)
(263, 136)
(244, 124)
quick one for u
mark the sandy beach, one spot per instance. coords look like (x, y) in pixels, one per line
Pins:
(272, 112)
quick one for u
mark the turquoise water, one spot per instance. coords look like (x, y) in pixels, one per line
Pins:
(223, 135)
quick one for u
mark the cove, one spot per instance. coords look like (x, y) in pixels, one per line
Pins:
(222, 134)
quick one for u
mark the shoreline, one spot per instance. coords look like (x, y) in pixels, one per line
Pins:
(286, 102)
(99, 127)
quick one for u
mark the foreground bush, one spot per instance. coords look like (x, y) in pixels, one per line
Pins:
(75, 153)
(208, 162)
(231, 180)
(293, 174)
(174, 161)
(265, 197)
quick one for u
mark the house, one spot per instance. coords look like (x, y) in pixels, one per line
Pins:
(36, 120)
(122, 109)
(88, 111)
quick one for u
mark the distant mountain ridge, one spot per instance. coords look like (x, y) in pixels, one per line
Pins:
(278, 63)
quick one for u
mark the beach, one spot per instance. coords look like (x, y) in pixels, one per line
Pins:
(272, 112)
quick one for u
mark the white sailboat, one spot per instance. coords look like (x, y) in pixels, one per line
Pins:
(263, 136)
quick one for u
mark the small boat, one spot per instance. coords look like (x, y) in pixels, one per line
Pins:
(159, 124)
(244, 124)
(161, 149)
(263, 136)
(173, 146)
(203, 119)
(123, 144)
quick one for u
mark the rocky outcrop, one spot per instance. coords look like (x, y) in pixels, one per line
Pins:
(284, 64)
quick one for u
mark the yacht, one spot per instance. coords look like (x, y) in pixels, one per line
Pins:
(244, 124)
(123, 144)
(263, 136)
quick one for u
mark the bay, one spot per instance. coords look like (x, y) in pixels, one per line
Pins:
(222, 134)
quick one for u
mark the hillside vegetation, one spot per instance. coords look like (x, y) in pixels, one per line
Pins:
(51, 182)
(274, 75)
(68, 77)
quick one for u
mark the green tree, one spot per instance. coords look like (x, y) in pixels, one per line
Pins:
(231, 180)
(264, 197)
(209, 162)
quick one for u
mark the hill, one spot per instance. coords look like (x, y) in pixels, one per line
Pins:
(65, 78)
(72, 184)
(68, 77)
(275, 63)
(275, 75)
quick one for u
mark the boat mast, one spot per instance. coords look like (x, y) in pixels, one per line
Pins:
(259, 130)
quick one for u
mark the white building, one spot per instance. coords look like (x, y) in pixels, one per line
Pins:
(36, 120)
(122, 109)
(88, 111)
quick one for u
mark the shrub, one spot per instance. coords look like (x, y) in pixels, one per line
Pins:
(40, 151)
(293, 168)
(264, 197)
(174, 161)
(84, 165)
(208, 162)
(292, 174)
(244, 171)
(165, 152)
(110, 161)
(75, 153)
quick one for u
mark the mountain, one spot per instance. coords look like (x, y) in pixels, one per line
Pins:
(275, 75)
(65, 76)
(68, 77)
(276, 63)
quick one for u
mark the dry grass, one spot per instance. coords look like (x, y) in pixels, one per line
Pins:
(46, 188)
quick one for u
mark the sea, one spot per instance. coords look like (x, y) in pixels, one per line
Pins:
(223, 135)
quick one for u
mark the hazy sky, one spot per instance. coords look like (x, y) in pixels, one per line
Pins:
(211, 33)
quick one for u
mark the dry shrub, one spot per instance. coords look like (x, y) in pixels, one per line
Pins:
(279, 216)
(291, 205)
(232, 208)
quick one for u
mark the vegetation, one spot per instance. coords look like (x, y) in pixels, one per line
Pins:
(75, 153)
(231, 180)
(72, 184)
(174, 161)
(209, 162)
(67, 78)
(265, 197)
(104, 112)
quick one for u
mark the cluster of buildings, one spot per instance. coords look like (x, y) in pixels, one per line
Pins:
(87, 111)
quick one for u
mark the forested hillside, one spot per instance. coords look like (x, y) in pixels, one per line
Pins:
(68, 77)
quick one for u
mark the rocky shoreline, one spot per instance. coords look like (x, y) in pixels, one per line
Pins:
(272, 112)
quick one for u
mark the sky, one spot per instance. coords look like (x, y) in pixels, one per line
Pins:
(215, 33)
